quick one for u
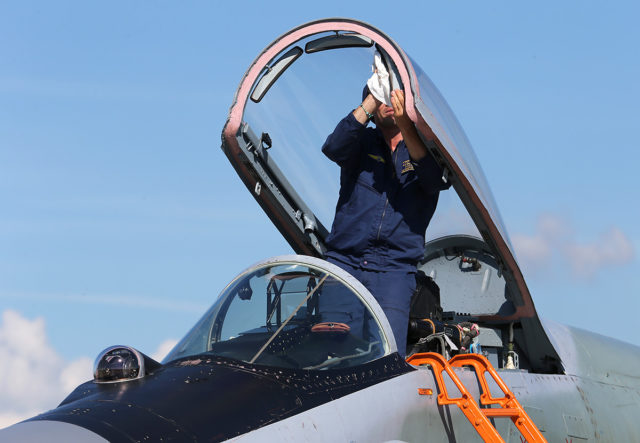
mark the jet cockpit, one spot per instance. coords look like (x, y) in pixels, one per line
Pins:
(292, 312)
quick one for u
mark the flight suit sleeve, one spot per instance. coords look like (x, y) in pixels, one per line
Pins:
(430, 174)
(343, 145)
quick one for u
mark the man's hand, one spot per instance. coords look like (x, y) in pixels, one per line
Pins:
(416, 148)
(399, 112)
(370, 104)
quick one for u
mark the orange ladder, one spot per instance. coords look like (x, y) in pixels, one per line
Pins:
(509, 406)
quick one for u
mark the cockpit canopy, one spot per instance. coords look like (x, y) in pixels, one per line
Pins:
(289, 101)
(292, 312)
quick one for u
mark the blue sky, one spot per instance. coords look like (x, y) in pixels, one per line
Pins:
(121, 219)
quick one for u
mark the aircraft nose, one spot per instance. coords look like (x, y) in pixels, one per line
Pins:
(50, 431)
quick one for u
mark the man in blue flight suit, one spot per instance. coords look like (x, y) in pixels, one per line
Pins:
(389, 187)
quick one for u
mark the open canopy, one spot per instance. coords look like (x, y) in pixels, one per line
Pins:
(290, 100)
(292, 97)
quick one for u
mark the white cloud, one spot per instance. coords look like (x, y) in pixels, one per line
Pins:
(554, 241)
(553, 227)
(164, 349)
(611, 248)
(532, 251)
(10, 418)
(33, 377)
(76, 372)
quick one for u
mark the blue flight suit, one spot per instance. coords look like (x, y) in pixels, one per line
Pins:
(385, 204)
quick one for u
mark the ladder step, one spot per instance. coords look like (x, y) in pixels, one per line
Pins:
(501, 412)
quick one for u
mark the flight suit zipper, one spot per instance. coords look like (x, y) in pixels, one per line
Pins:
(386, 203)
(382, 218)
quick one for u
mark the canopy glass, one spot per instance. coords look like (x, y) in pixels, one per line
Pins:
(292, 312)
(303, 107)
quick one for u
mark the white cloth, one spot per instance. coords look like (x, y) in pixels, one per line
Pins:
(379, 82)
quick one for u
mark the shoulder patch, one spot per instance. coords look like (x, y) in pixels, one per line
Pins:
(407, 166)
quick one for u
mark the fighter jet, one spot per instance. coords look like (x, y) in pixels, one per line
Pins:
(268, 362)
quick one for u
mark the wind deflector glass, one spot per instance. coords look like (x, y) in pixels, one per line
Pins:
(274, 72)
(347, 40)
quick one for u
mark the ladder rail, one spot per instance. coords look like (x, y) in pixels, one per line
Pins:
(509, 406)
(482, 367)
(465, 402)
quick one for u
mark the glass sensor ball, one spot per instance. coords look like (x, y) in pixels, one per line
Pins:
(116, 364)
